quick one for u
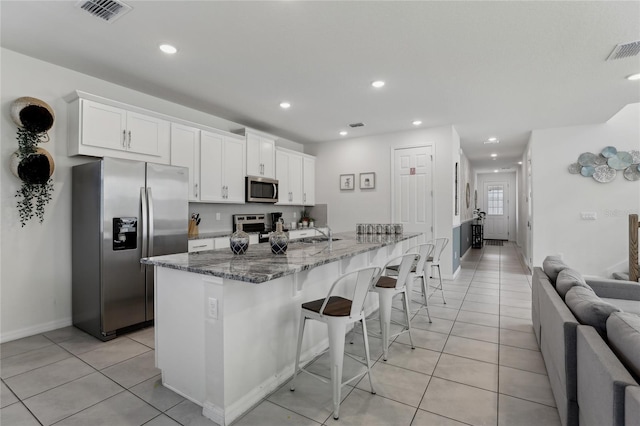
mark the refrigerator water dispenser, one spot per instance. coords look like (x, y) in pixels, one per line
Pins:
(125, 233)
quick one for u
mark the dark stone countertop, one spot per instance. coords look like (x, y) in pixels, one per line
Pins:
(258, 264)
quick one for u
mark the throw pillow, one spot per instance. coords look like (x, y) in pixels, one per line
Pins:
(552, 265)
(567, 279)
(623, 332)
(589, 309)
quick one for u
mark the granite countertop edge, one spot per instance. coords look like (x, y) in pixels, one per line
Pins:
(259, 265)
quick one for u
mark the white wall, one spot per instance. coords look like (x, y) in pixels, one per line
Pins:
(373, 154)
(35, 276)
(592, 247)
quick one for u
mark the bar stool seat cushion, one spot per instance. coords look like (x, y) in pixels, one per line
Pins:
(395, 267)
(336, 307)
(386, 282)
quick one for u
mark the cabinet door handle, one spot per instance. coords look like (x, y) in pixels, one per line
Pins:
(304, 197)
(124, 138)
(129, 146)
(195, 189)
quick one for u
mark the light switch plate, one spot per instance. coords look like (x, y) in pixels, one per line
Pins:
(217, 216)
(213, 308)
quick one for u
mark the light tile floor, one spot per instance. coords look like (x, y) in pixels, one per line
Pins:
(477, 363)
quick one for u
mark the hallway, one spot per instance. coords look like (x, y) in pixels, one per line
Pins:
(477, 363)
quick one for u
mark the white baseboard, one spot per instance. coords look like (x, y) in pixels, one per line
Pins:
(34, 329)
(237, 409)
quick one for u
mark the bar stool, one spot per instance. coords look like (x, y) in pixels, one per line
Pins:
(387, 288)
(418, 272)
(337, 312)
(433, 261)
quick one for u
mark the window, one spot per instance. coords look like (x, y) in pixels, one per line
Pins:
(495, 199)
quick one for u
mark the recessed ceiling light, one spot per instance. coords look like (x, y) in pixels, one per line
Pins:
(417, 122)
(520, 162)
(492, 139)
(285, 105)
(633, 77)
(343, 133)
(168, 49)
(377, 84)
(494, 155)
(495, 171)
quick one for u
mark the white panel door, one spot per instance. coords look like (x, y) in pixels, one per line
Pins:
(309, 181)
(103, 126)
(211, 167)
(413, 190)
(185, 153)
(145, 133)
(295, 179)
(496, 223)
(233, 175)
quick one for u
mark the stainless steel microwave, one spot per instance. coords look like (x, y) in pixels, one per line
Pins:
(261, 190)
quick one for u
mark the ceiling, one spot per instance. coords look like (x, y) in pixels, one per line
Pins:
(488, 68)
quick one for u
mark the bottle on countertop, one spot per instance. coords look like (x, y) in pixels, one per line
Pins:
(239, 241)
(278, 240)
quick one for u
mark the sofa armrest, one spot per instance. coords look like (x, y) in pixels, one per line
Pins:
(614, 289)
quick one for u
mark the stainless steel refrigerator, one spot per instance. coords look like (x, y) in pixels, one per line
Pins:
(122, 211)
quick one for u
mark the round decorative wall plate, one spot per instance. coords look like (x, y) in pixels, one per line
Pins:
(604, 174)
(609, 152)
(587, 159)
(601, 160)
(588, 171)
(620, 161)
(574, 168)
(33, 114)
(632, 173)
(635, 156)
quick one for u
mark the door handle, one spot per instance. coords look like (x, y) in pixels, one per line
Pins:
(129, 145)
(150, 221)
(143, 225)
(195, 189)
(124, 138)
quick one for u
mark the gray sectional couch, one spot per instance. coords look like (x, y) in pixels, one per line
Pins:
(588, 330)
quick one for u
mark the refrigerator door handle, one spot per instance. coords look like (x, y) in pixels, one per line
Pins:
(150, 221)
(143, 225)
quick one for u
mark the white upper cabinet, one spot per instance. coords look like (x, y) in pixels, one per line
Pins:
(185, 152)
(222, 170)
(100, 127)
(260, 154)
(308, 180)
(292, 169)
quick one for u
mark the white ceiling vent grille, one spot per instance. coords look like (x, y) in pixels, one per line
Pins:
(107, 10)
(625, 50)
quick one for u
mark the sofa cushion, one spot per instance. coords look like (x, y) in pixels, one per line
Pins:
(630, 306)
(567, 279)
(623, 332)
(552, 265)
(589, 309)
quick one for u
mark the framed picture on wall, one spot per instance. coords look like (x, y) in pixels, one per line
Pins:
(347, 182)
(367, 180)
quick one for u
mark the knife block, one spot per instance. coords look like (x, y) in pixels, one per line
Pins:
(193, 228)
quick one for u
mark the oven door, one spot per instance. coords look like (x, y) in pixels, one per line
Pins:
(261, 190)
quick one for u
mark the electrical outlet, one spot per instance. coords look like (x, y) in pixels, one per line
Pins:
(588, 215)
(217, 216)
(213, 308)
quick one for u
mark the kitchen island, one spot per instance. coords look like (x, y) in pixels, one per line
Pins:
(226, 325)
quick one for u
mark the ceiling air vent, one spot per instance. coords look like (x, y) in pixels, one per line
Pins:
(356, 125)
(625, 50)
(107, 10)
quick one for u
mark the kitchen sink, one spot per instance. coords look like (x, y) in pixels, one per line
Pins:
(315, 240)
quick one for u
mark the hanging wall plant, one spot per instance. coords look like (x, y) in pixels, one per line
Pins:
(33, 165)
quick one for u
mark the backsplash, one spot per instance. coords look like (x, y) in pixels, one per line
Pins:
(208, 212)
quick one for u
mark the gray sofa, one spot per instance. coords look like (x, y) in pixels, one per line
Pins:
(589, 379)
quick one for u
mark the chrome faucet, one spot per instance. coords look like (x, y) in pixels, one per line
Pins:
(326, 234)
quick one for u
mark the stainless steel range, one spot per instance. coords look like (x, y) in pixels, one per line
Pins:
(252, 223)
